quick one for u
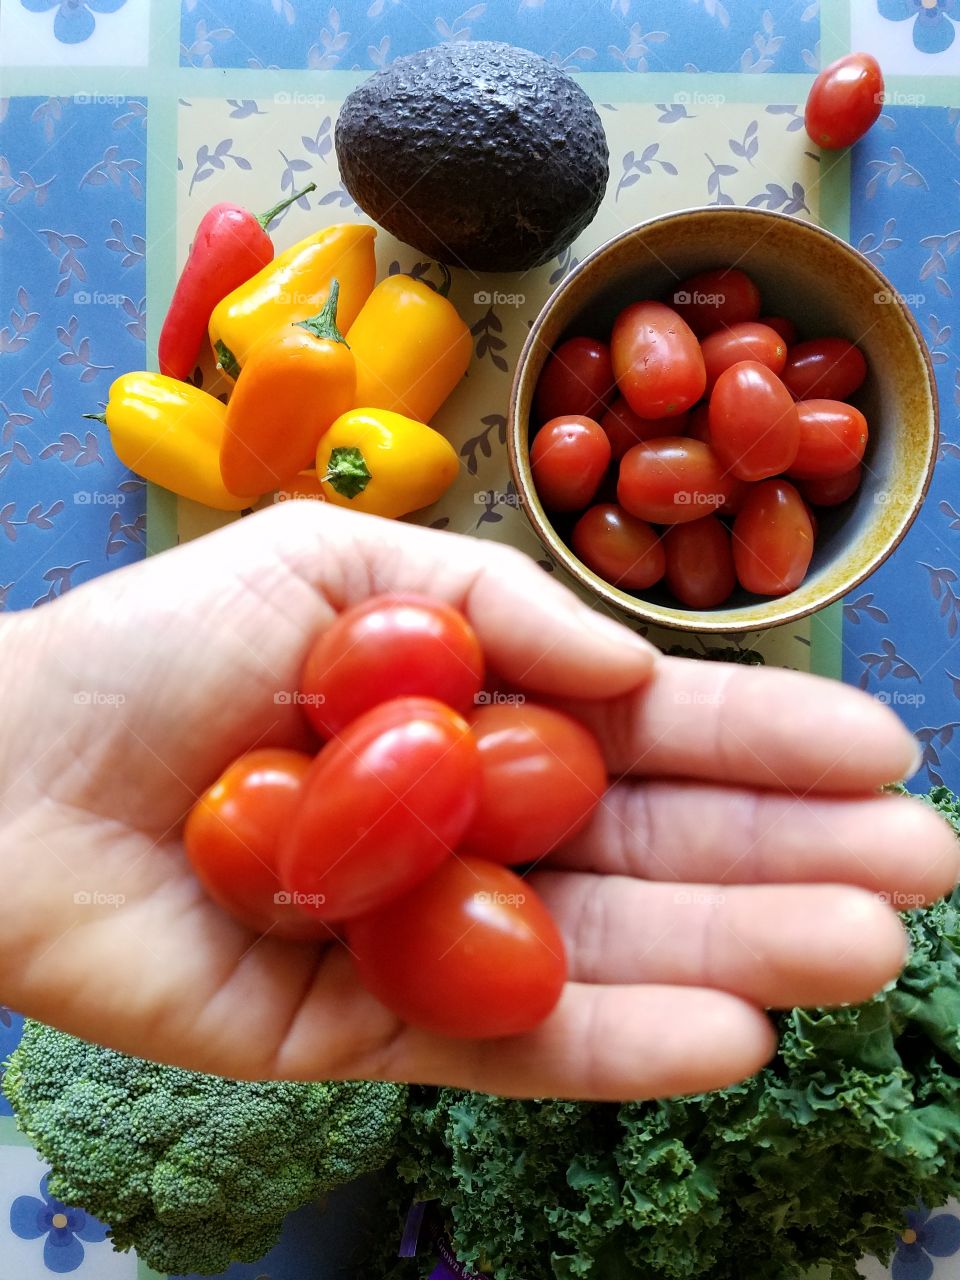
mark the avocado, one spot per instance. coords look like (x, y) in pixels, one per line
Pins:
(478, 154)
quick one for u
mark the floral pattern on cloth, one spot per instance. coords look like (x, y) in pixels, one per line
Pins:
(926, 1236)
(74, 21)
(933, 21)
(62, 1229)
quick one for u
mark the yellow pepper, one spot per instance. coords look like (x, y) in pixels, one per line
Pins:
(410, 346)
(294, 287)
(170, 432)
(383, 463)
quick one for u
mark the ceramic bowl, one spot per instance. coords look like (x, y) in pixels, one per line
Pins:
(827, 288)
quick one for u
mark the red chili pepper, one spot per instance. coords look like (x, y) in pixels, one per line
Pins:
(230, 246)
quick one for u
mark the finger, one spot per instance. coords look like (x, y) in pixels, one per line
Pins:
(695, 831)
(776, 946)
(534, 631)
(600, 1043)
(202, 993)
(768, 728)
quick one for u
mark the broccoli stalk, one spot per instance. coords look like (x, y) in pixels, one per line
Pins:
(193, 1171)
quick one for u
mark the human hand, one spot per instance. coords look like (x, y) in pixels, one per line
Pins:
(738, 864)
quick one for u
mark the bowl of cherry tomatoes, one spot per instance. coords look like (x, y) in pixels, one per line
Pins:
(723, 419)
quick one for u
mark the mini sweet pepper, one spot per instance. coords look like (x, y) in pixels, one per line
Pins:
(384, 464)
(294, 287)
(289, 391)
(170, 433)
(230, 246)
(410, 346)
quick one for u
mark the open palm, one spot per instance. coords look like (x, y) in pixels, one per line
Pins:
(742, 861)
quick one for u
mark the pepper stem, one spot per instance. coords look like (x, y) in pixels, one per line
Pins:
(324, 324)
(95, 417)
(266, 218)
(226, 359)
(443, 288)
(347, 472)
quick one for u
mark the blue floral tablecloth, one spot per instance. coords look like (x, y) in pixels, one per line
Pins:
(122, 120)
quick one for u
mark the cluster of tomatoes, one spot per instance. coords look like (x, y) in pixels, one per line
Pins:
(694, 445)
(397, 837)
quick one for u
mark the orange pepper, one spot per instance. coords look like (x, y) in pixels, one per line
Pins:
(295, 382)
(411, 348)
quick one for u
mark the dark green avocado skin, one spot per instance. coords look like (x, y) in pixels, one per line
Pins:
(478, 154)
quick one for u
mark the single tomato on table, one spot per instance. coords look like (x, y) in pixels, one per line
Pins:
(232, 838)
(657, 360)
(824, 369)
(383, 805)
(569, 458)
(713, 300)
(754, 428)
(577, 379)
(833, 437)
(390, 647)
(844, 101)
(672, 480)
(772, 539)
(699, 563)
(542, 774)
(471, 952)
(620, 548)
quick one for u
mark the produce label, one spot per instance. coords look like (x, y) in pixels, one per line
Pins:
(448, 1268)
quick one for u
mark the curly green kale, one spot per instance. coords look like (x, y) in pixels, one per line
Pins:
(810, 1162)
(194, 1171)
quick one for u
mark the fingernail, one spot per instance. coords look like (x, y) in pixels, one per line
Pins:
(916, 763)
(615, 632)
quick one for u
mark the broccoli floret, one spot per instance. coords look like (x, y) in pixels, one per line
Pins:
(193, 1171)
